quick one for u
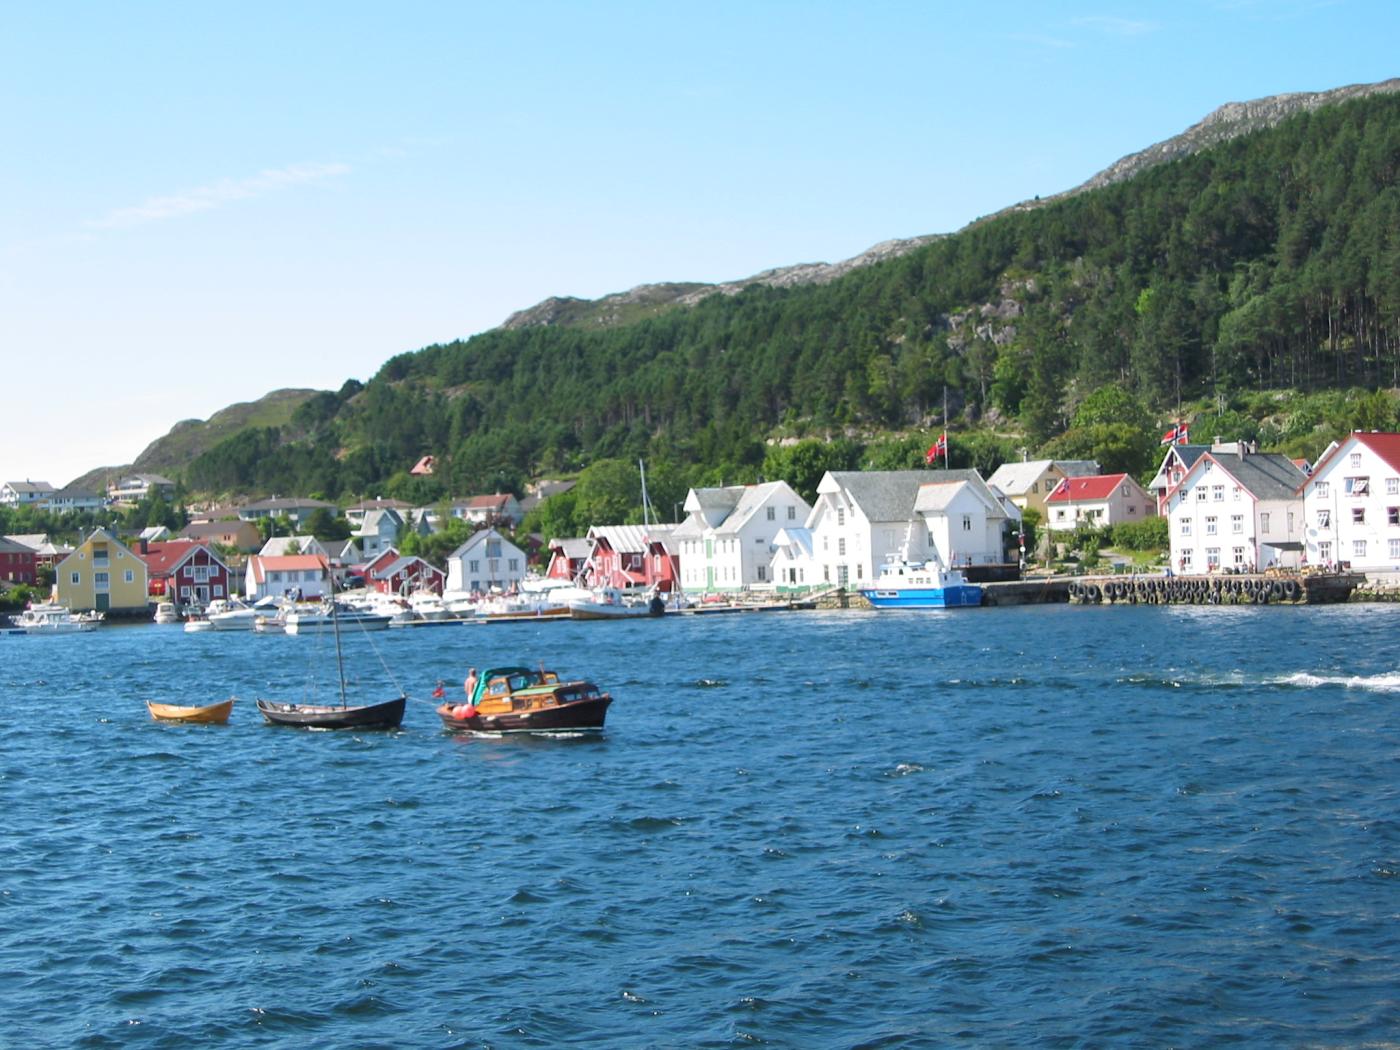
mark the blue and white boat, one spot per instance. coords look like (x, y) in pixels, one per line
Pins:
(920, 585)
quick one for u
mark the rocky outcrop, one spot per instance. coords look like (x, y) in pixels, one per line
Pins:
(1227, 122)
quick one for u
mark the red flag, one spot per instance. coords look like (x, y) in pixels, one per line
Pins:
(1172, 436)
(1183, 434)
(938, 448)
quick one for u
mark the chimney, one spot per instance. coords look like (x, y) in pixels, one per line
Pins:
(145, 547)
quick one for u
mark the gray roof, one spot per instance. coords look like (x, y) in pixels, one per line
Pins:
(888, 495)
(1264, 475)
(30, 486)
(751, 499)
(278, 546)
(9, 546)
(633, 538)
(575, 548)
(286, 503)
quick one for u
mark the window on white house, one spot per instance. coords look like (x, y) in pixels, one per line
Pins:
(1394, 550)
(1356, 459)
(1358, 548)
(841, 547)
(1237, 523)
(1201, 494)
(1186, 558)
(1392, 515)
(1212, 558)
(1324, 519)
(1358, 515)
(1186, 526)
(1392, 486)
(967, 523)
(1264, 522)
(1358, 486)
(762, 572)
(1219, 491)
(1323, 488)
(1324, 551)
(792, 513)
(840, 516)
(772, 513)
(1210, 526)
(1238, 552)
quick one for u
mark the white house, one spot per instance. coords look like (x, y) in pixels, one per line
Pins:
(794, 566)
(1351, 505)
(69, 500)
(863, 519)
(727, 540)
(1029, 483)
(280, 546)
(1178, 460)
(486, 561)
(297, 509)
(290, 575)
(1237, 509)
(133, 488)
(25, 493)
(485, 509)
(1108, 499)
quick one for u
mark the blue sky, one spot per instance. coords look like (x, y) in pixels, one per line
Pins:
(200, 204)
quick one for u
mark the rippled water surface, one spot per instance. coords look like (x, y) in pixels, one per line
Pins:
(1054, 826)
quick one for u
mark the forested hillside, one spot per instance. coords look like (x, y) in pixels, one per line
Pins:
(1270, 261)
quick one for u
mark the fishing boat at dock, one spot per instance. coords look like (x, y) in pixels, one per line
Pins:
(527, 700)
(920, 585)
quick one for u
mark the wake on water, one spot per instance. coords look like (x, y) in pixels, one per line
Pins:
(1379, 683)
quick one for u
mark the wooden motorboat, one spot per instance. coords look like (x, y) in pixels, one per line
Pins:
(213, 714)
(385, 715)
(527, 700)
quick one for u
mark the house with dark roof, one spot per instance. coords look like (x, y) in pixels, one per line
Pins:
(568, 558)
(133, 488)
(70, 500)
(1351, 506)
(1175, 463)
(862, 519)
(25, 493)
(729, 536)
(297, 509)
(1096, 502)
(1236, 508)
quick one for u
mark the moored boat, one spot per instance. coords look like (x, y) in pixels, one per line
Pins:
(527, 700)
(325, 619)
(47, 618)
(166, 612)
(920, 585)
(197, 624)
(609, 603)
(231, 614)
(209, 714)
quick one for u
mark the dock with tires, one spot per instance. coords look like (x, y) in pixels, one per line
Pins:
(1216, 589)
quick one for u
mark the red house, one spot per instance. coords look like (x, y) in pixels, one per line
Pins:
(568, 559)
(632, 557)
(185, 572)
(18, 563)
(395, 573)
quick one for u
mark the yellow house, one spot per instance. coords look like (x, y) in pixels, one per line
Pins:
(101, 574)
(1029, 484)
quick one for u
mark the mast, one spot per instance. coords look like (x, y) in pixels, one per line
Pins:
(335, 626)
(646, 504)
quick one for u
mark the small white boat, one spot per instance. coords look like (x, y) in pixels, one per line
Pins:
(167, 613)
(319, 619)
(198, 625)
(427, 606)
(54, 619)
(231, 614)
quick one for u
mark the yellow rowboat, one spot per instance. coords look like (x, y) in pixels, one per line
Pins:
(214, 714)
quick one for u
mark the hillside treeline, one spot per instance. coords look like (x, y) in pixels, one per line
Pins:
(1271, 261)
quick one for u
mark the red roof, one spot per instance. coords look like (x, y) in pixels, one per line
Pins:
(164, 557)
(480, 502)
(1386, 446)
(1076, 490)
(285, 563)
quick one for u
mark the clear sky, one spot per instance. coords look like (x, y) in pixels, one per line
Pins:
(201, 203)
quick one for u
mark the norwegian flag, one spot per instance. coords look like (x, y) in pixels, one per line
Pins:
(938, 448)
(1175, 435)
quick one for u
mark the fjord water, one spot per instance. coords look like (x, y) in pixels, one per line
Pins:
(1045, 826)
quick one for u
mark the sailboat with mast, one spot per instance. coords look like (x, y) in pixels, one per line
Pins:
(385, 714)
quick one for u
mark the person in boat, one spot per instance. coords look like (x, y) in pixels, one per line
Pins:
(438, 692)
(470, 684)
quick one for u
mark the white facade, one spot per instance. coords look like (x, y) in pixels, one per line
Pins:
(1237, 511)
(863, 519)
(378, 531)
(729, 537)
(1097, 502)
(487, 561)
(25, 493)
(794, 567)
(1351, 505)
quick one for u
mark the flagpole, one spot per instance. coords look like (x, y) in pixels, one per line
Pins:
(945, 426)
